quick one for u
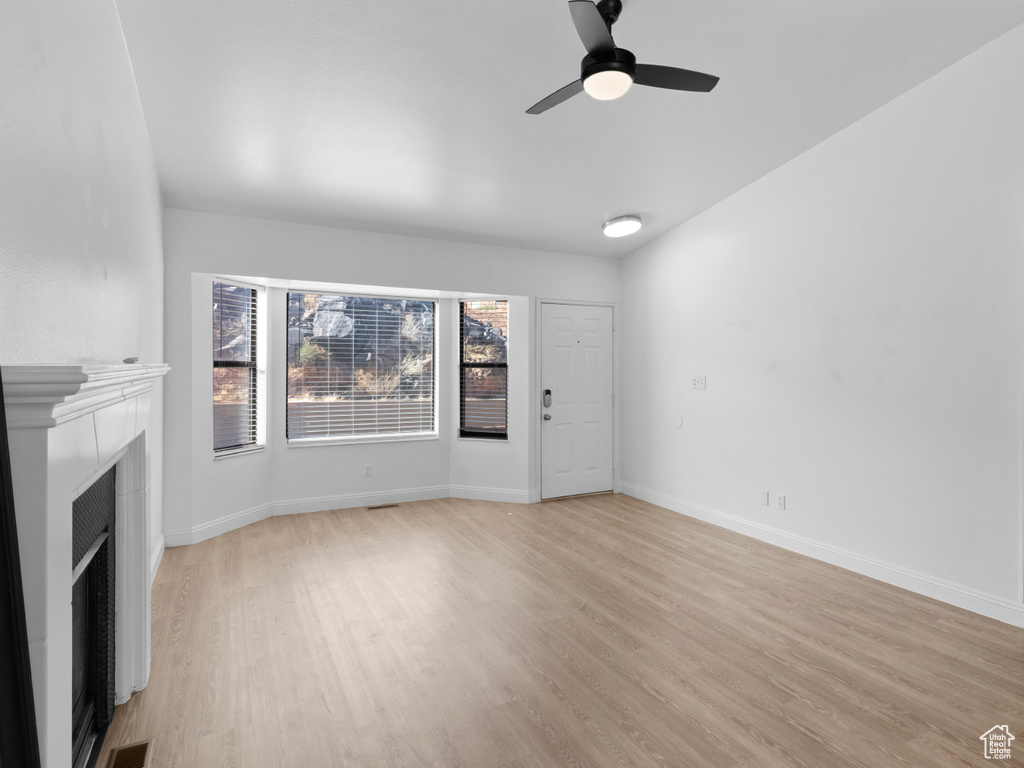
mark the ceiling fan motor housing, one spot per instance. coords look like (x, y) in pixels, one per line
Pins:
(620, 60)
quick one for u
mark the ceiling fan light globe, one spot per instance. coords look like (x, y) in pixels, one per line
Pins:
(608, 84)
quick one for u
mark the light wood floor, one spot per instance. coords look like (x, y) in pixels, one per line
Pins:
(601, 631)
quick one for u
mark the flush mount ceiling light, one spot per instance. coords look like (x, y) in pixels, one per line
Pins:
(621, 226)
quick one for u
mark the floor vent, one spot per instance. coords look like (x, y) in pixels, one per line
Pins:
(131, 756)
(382, 506)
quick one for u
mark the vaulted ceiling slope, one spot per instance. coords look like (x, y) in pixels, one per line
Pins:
(409, 117)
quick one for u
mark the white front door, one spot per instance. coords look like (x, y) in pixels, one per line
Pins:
(576, 399)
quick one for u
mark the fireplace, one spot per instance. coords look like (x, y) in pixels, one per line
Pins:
(76, 431)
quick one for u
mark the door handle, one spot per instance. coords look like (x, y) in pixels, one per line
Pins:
(547, 417)
(547, 398)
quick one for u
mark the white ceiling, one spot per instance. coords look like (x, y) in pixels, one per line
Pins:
(409, 117)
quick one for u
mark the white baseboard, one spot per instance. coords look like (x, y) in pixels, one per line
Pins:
(216, 527)
(955, 594)
(348, 500)
(245, 517)
(155, 557)
(490, 494)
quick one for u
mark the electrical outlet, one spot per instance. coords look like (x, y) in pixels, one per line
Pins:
(765, 498)
(699, 382)
(780, 502)
(367, 470)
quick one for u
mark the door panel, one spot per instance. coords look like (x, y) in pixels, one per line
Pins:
(561, 456)
(576, 365)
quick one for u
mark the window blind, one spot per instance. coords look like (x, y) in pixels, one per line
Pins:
(359, 366)
(234, 366)
(483, 369)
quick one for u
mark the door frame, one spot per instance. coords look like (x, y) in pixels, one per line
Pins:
(535, 405)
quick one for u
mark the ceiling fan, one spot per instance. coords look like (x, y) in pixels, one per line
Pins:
(607, 72)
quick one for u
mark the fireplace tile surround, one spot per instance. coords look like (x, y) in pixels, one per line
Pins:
(67, 425)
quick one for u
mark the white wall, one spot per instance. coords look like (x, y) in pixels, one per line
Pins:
(80, 249)
(81, 262)
(205, 497)
(859, 315)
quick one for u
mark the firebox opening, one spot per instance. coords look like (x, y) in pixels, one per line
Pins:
(92, 618)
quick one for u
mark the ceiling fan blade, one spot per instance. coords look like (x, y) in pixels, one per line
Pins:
(591, 28)
(674, 78)
(556, 98)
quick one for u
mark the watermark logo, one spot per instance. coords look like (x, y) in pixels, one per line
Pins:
(997, 742)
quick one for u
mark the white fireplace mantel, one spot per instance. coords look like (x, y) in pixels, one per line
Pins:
(43, 396)
(67, 425)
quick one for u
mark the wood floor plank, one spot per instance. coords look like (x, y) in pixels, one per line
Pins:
(597, 631)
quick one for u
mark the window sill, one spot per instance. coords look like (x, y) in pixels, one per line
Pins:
(313, 442)
(227, 454)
